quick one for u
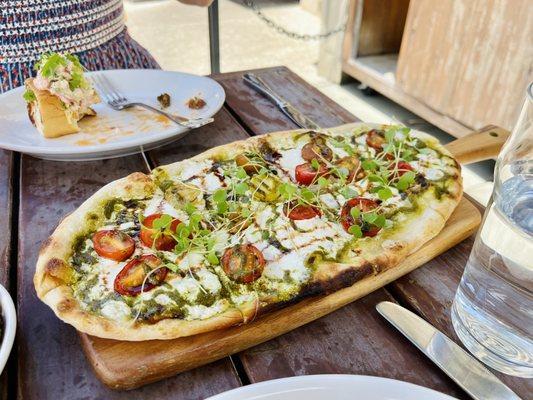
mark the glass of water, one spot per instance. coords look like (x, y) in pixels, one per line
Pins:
(493, 308)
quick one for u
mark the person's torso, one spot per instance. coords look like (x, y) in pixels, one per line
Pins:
(29, 28)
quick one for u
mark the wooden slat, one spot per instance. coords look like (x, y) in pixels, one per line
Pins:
(6, 166)
(430, 291)
(381, 28)
(352, 340)
(261, 116)
(358, 69)
(6, 192)
(225, 129)
(313, 348)
(51, 364)
(470, 60)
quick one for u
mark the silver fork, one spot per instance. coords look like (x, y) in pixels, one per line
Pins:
(118, 101)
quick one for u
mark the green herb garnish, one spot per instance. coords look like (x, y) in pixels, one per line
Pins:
(29, 96)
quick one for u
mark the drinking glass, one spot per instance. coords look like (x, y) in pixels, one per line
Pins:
(493, 308)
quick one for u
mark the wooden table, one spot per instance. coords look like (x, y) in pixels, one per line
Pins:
(47, 361)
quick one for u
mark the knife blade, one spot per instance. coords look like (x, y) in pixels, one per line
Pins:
(465, 370)
(262, 87)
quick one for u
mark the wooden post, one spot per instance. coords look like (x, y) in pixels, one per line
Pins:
(334, 14)
(214, 46)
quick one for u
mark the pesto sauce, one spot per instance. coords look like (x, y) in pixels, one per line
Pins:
(120, 211)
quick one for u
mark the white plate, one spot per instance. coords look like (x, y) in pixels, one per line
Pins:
(113, 133)
(332, 387)
(9, 318)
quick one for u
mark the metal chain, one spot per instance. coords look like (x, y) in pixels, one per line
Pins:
(293, 35)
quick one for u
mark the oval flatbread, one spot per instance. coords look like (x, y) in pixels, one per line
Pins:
(245, 228)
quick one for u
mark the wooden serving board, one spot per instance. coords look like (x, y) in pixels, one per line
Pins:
(127, 365)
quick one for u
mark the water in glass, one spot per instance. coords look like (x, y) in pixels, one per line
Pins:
(493, 308)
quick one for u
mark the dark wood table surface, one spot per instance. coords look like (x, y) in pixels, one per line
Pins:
(47, 361)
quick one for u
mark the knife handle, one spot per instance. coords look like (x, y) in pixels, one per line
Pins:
(261, 86)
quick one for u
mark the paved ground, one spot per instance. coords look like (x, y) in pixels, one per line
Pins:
(177, 36)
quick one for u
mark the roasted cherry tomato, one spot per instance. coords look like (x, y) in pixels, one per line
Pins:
(129, 281)
(365, 205)
(306, 174)
(375, 139)
(243, 263)
(113, 244)
(248, 165)
(317, 149)
(352, 165)
(163, 242)
(401, 166)
(300, 211)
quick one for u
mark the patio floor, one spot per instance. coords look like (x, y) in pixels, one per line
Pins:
(177, 36)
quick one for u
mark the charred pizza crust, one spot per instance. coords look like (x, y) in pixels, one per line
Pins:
(367, 257)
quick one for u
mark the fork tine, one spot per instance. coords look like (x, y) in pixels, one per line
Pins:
(95, 78)
(114, 92)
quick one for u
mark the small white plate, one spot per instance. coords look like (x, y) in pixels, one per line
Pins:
(113, 133)
(338, 387)
(9, 319)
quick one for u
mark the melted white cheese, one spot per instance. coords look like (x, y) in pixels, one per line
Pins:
(252, 234)
(338, 151)
(308, 224)
(292, 264)
(264, 217)
(329, 201)
(243, 298)
(116, 310)
(109, 270)
(433, 174)
(209, 280)
(126, 225)
(159, 205)
(187, 287)
(269, 252)
(163, 299)
(221, 238)
(192, 168)
(203, 312)
(318, 229)
(212, 183)
(290, 159)
(190, 261)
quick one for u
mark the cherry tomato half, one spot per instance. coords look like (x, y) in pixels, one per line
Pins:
(163, 242)
(129, 280)
(301, 211)
(113, 244)
(305, 173)
(401, 166)
(317, 149)
(375, 139)
(353, 165)
(248, 165)
(365, 205)
(243, 263)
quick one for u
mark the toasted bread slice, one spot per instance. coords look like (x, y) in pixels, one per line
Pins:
(50, 116)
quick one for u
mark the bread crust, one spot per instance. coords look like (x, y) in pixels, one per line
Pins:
(48, 114)
(369, 257)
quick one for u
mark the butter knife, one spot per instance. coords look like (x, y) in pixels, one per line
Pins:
(465, 370)
(296, 116)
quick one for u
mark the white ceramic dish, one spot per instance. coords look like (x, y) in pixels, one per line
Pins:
(9, 318)
(113, 133)
(338, 387)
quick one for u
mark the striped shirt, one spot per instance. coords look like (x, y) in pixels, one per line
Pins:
(94, 30)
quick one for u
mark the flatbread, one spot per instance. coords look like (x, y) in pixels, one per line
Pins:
(327, 268)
